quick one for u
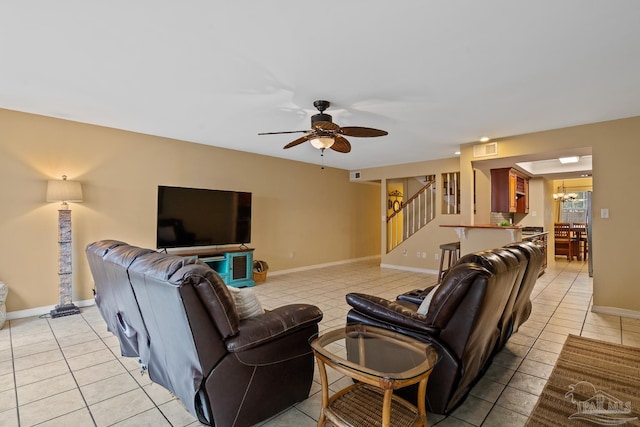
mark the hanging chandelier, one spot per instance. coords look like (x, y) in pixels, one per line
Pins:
(563, 196)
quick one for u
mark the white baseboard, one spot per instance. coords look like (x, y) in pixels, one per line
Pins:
(623, 312)
(412, 269)
(39, 311)
(329, 264)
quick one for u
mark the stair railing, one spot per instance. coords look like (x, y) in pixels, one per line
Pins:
(415, 213)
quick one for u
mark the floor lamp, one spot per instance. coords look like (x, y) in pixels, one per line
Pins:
(64, 191)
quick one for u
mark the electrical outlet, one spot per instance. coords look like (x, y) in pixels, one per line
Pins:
(404, 253)
(418, 254)
(436, 256)
(604, 213)
(424, 255)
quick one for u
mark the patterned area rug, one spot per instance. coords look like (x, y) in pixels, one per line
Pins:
(593, 383)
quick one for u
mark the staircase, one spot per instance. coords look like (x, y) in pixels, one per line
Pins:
(414, 214)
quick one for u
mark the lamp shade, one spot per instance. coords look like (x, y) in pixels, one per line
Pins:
(64, 191)
(322, 142)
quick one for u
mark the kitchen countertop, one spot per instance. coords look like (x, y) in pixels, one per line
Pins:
(535, 234)
(479, 237)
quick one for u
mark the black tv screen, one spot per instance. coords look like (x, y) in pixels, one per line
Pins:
(200, 217)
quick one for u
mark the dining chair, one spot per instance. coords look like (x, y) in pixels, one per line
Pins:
(580, 232)
(565, 243)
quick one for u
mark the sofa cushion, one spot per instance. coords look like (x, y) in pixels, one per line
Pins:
(246, 301)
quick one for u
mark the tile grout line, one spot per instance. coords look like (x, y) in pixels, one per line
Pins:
(64, 356)
(140, 386)
(13, 367)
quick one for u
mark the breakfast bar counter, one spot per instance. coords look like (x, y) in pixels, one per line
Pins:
(480, 237)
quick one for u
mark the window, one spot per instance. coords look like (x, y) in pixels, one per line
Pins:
(574, 210)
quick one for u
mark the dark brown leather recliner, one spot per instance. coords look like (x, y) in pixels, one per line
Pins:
(483, 258)
(518, 308)
(522, 304)
(116, 301)
(462, 324)
(226, 371)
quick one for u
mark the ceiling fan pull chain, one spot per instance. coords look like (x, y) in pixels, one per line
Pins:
(322, 157)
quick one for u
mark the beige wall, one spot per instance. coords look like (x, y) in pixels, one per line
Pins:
(302, 215)
(615, 150)
(615, 147)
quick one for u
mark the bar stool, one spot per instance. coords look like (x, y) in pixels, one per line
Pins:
(453, 250)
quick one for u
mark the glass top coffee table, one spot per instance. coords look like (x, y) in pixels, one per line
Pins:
(380, 361)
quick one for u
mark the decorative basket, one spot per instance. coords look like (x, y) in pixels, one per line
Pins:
(260, 269)
(259, 276)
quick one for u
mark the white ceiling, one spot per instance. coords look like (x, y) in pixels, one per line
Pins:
(434, 74)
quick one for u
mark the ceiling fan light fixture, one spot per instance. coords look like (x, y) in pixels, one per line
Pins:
(326, 134)
(321, 142)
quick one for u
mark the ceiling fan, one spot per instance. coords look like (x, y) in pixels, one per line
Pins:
(326, 134)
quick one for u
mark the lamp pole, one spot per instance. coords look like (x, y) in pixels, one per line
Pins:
(65, 272)
(64, 191)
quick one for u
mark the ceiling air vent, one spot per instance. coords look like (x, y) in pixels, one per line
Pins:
(354, 176)
(482, 150)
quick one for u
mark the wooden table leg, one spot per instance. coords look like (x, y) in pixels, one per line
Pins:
(361, 351)
(325, 391)
(422, 396)
(386, 408)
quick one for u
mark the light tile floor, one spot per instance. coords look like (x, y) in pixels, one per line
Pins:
(68, 372)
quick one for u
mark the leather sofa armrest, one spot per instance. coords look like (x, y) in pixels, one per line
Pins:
(389, 312)
(415, 296)
(272, 325)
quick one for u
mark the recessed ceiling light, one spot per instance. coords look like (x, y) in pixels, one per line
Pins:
(572, 159)
(484, 139)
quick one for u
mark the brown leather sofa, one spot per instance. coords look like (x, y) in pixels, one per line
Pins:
(470, 317)
(177, 316)
(522, 305)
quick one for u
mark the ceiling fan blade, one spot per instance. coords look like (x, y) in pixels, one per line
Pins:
(341, 145)
(330, 126)
(362, 132)
(297, 141)
(286, 131)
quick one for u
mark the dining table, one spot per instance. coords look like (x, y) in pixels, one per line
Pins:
(577, 233)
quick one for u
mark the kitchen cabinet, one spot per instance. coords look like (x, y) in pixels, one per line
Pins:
(509, 191)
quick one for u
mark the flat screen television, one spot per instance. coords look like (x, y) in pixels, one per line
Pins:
(200, 217)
